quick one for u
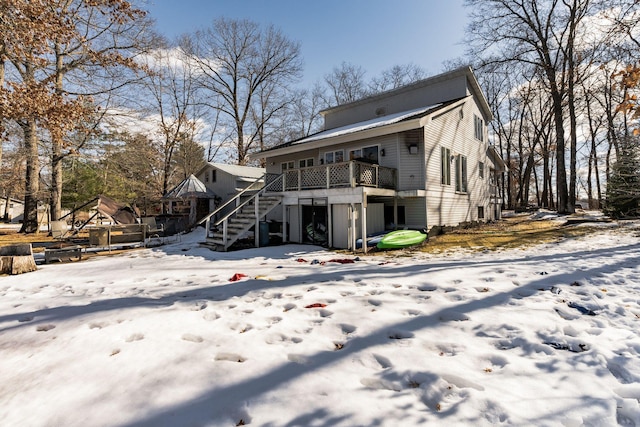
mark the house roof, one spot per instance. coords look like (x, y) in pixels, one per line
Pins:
(368, 124)
(497, 159)
(11, 199)
(237, 170)
(189, 187)
(379, 123)
(462, 71)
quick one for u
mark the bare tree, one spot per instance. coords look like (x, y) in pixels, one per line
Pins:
(238, 62)
(304, 113)
(395, 77)
(172, 86)
(345, 84)
(542, 34)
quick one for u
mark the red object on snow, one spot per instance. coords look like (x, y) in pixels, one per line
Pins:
(237, 277)
(342, 261)
(301, 260)
(316, 305)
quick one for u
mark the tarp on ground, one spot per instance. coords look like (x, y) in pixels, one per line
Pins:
(119, 214)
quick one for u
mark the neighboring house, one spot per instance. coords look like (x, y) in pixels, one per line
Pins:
(226, 181)
(11, 210)
(413, 157)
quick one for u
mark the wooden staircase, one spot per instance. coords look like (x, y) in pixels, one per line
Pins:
(224, 232)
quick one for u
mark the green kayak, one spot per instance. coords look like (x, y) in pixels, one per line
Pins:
(401, 239)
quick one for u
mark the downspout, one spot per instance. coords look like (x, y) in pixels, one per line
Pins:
(363, 221)
(352, 234)
(330, 223)
(424, 175)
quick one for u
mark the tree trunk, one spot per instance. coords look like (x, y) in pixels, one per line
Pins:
(55, 204)
(2, 66)
(571, 77)
(510, 204)
(241, 147)
(537, 186)
(552, 204)
(589, 184)
(7, 199)
(573, 150)
(562, 192)
(17, 259)
(56, 180)
(597, 174)
(32, 182)
(545, 175)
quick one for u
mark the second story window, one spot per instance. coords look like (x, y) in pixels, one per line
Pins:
(481, 169)
(478, 125)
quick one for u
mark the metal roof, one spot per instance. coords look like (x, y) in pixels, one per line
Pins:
(237, 170)
(190, 187)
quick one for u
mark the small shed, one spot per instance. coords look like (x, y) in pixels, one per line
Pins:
(11, 210)
(190, 198)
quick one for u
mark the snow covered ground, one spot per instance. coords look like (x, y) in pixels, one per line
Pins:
(547, 336)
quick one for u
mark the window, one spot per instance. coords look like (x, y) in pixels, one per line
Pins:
(480, 212)
(288, 165)
(481, 169)
(369, 154)
(478, 125)
(214, 175)
(445, 166)
(206, 177)
(334, 157)
(461, 173)
(305, 163)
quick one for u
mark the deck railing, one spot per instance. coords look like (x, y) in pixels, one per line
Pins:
(337, 175)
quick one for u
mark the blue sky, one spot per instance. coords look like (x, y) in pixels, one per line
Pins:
(374, 34)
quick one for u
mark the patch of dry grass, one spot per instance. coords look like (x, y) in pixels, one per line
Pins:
(509, 233)
(9, 236)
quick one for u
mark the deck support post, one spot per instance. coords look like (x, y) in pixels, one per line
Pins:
(363, 221)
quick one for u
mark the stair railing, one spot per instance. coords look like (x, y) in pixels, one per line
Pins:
(225, 219)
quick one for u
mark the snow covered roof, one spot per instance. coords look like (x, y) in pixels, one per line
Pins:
(368, 124)
(354, 128)
(240, 171)
(190, 187)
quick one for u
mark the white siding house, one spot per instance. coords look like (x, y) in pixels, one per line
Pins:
(225, 181)
(11, 210)
(413, 157)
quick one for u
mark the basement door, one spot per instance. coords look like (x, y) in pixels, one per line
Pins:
(314, 222)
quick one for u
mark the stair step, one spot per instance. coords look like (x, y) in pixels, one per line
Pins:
(244, 219)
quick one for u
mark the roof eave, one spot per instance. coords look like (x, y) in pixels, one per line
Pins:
(341, 139)
(498, 158)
